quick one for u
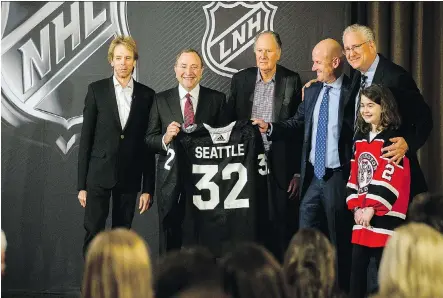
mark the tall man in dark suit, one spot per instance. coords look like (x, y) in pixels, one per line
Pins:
(113, 156)
(272, 92)
(187, 103)
(373, 68)
(324, 121)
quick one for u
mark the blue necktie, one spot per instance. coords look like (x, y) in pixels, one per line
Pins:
(322, 136)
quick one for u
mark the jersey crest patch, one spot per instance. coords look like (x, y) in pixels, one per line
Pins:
(367, 164)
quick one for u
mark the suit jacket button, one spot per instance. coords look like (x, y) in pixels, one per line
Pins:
(122, 137)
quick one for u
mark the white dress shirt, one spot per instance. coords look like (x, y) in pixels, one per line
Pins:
(124, 99)
(194, 97)
(369, 78)
(333, 136)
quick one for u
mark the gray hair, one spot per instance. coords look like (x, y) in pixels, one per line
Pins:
(274, 34)
(364, 30)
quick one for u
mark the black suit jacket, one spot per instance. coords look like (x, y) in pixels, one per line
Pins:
(415, 114)
(285, 154)
(109, 155)
(301, 124)
(166, 109)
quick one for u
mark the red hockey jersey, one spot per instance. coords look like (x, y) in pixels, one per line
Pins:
(374, 182)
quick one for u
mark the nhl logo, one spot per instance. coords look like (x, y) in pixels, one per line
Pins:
(230, 31)
(41, 52)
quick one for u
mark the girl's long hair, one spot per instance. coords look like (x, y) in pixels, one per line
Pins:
(390, 117)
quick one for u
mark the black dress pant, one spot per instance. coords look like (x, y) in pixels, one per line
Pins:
(361, 256)
(323, 206)
(283, 219)
(97, 210)
(171, 227)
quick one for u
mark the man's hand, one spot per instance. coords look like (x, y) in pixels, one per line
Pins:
(171, 131)
(262, 125)
(143, 205)
(307, 85)
(82, 198)
(294, 187)
(396, 151)
(366, 217)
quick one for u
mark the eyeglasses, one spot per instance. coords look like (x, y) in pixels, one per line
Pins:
(354, 48)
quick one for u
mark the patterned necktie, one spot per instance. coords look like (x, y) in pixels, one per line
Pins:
(357, 104)
(189, 111)
(363, 82)
(322, 136)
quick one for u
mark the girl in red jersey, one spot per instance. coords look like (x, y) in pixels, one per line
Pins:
(378, 190)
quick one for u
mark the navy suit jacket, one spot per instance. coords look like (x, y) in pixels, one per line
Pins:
(301, 124)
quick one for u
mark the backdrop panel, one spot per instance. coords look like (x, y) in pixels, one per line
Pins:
(52, 51)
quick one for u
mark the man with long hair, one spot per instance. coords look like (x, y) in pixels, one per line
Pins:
(112, 155)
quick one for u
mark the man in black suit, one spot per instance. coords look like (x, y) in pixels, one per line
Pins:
(272, 92)
(324, 121)
(373, 68)
(112, 155)
(186, 104)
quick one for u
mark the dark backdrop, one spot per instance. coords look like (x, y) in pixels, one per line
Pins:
(44, 81)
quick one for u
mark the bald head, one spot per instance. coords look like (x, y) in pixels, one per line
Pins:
(327, 58)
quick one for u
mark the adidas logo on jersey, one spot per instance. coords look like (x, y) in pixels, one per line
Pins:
(220, 138)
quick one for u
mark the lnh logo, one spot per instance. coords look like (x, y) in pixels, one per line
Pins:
(230, 31)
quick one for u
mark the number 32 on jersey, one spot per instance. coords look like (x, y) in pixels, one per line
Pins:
(232, 201)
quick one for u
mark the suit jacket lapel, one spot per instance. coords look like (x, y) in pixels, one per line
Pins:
(344, 99)
(133, 103)
(355, 86)
(310, 110)
(250, 87)
(279, 90)
(174, 104)
(113, 101)
(204, 102)
(379, 72)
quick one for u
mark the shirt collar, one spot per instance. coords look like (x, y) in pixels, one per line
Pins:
(194, 92)
(259, 78)
(337, 83)
(117, 84)
(371, 71)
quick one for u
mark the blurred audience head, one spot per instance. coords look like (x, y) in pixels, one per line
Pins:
(250, 271)
(309, 265)
(117, 265)
(187, 268)
(428, 210)
(209, 291)
(4, 244)
(412, 263)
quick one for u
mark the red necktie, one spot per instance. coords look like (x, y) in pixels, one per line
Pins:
(189, 111)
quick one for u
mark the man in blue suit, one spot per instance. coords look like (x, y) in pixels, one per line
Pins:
(325, 121)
